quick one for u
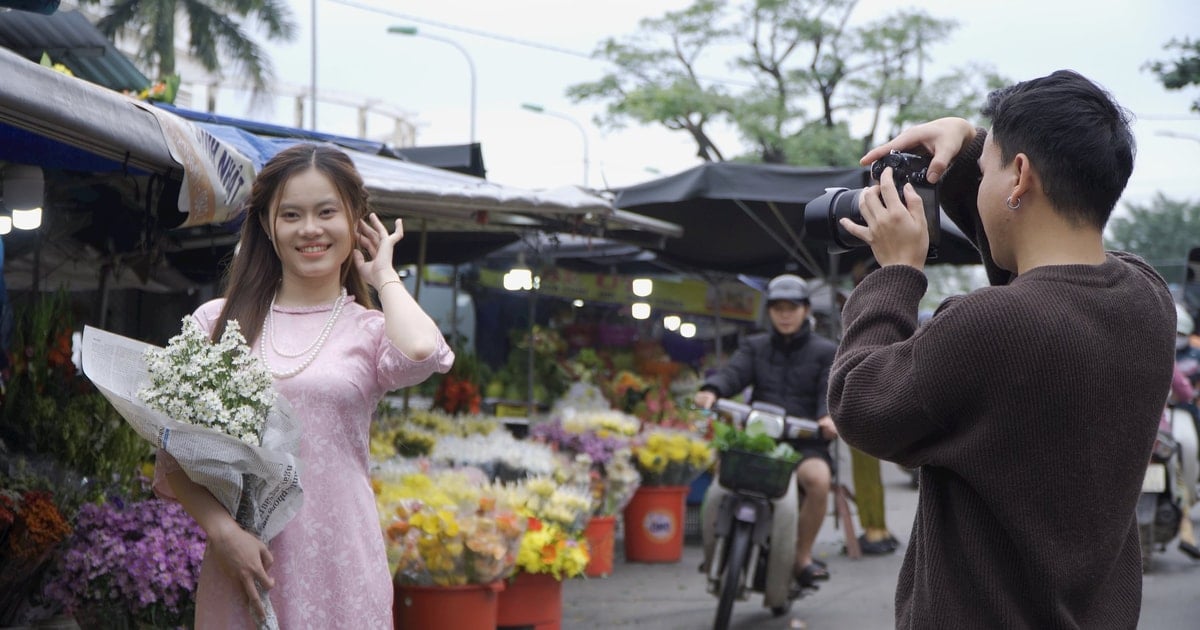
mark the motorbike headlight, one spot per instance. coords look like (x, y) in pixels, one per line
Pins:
(759, 422)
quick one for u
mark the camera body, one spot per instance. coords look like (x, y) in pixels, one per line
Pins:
(822, 215)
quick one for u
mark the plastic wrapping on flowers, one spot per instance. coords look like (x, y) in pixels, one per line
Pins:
(499, 454)
(415, 433)
(668, 457)
(599, 441)
(447, 527)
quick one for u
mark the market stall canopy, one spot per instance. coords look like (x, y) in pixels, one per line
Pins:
(67, 37)
(749, 218)
(60, 122)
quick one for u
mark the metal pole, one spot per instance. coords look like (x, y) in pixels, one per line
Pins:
(312, 79)
(454, 308)
(531, 401)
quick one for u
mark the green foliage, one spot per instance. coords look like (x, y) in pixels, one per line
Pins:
(1182, 71)
(796, 55)
(216, 30)
(51, 412)
(727, 436)
(1162, 232)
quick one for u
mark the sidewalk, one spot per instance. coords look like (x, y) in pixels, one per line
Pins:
(673, 596)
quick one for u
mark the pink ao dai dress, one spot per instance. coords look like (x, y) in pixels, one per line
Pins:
(330, 567)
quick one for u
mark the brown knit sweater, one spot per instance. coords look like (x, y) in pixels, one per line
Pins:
(1031, 409)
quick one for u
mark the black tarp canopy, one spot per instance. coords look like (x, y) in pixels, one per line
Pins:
(749, 218)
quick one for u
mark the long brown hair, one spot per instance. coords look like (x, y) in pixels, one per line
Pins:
(254, 274)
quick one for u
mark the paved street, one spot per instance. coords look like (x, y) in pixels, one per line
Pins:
(859, 596)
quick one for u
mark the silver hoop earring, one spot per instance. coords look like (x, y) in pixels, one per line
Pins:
(1012, 206)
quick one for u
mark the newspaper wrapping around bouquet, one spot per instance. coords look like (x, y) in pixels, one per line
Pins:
(258, 485)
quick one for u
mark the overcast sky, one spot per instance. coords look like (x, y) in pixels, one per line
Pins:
(1106, 40)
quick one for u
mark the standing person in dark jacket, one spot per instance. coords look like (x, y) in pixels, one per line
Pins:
(1031, 405)
(789, 366)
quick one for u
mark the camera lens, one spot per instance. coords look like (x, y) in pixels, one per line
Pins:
(822, 218)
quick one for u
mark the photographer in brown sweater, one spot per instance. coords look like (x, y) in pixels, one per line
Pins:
(1031, 405)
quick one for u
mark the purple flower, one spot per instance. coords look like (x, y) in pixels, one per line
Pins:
(144, 554)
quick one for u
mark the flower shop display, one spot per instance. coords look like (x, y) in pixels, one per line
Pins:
(129, 563)
(499, 454)
(414, 434)
(551, 550)
(668, 460)
(50, 414)
(31, 529)
(447, 527)
(669, 457)
(212, 406)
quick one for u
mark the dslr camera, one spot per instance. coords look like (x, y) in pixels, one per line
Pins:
(822, 215)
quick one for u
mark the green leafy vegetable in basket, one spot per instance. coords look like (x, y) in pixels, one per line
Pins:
(727, 436)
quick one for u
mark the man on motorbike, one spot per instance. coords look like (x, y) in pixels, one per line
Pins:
(789, 366)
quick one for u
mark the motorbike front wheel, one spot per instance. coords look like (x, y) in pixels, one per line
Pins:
(735, 562)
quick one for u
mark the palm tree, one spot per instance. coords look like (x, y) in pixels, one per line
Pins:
(216, 29)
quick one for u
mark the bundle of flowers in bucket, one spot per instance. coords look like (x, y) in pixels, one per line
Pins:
(451, 536)
(599, 442)
(498, 454)
(130, 563)
(552, 549)
(668, 460)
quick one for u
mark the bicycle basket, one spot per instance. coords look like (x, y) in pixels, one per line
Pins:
(752, 472)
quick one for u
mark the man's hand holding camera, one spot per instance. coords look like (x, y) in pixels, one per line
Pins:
(896, 230)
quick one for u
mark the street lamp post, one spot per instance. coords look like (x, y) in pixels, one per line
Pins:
(412, 30)
(542, 110)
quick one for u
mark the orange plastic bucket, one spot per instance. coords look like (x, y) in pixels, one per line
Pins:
(654, 524)
(601, 534)
(530, 599)
(470, 606)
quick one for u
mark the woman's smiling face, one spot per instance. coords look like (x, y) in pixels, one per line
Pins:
(311, 229)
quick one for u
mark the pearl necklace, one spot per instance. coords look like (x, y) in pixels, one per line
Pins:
(311, 352)
(269, 325)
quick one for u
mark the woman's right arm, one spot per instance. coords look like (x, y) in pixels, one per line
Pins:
(239, 554)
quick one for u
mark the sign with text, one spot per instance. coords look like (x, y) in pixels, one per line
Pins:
(216, 176)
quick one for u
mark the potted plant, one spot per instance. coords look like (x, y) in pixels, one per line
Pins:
(451, 538)
(668, 460)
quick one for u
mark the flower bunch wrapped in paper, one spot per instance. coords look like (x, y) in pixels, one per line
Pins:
(599, 440)
(669, 457)
(557, 514)
(213, 408)
(448, 527)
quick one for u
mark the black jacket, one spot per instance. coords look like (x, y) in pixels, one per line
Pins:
(790, 372)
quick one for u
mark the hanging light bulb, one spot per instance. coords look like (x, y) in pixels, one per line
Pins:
(687, 330)
(672, 322)
(640, 310)
(27, 219)
(643, 287)
(520, 277)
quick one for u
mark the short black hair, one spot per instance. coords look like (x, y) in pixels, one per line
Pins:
(1076, 136)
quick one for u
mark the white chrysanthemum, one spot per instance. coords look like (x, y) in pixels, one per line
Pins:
(220, 385)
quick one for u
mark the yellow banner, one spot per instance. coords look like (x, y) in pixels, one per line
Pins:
(682, 296)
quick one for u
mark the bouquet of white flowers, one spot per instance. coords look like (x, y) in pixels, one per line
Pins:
(213, 407)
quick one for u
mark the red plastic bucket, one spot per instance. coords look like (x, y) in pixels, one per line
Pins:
(601, 534)
(654, 524)
(470, 606)
(530, 599)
